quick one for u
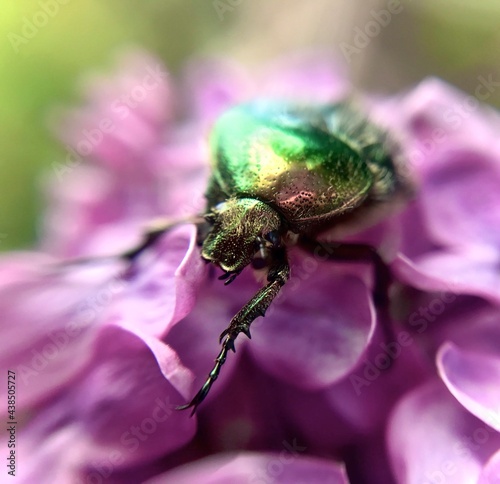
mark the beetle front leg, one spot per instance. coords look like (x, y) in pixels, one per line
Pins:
(155, 229)
(257, 306)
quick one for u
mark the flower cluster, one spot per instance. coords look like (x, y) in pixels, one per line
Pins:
(324, 392)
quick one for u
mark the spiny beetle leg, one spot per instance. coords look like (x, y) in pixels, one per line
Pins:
(240, 323)
(212, 376)
(157, 229)
(151, 235)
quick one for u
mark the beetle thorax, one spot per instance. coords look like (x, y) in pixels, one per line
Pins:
(239, 227)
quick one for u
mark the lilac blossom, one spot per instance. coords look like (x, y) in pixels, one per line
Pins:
(103, 352)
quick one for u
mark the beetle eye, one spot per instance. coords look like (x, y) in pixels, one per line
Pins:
(273, 237)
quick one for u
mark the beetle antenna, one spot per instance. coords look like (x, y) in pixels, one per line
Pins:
(227, 345)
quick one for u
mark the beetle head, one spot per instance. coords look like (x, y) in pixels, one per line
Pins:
(241, 228)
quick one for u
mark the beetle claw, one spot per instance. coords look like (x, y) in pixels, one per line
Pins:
(224, 276)
(222, 335)
(230, 345)
(186, 406)
(198, 398)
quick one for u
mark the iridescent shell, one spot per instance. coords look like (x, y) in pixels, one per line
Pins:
(311, 164)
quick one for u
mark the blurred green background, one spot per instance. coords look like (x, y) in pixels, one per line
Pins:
(46, 46)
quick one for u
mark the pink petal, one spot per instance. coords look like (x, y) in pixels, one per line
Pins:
(214, 86)
(491, 471)
(461, 198)
(196, 337)
(472, 271)
(473, 379)
(124, 114)
(288, 467)
(181, 170)
(163, 287)
(307, 77)
(43, 463)
(433, 117)
(317, 331)
(50, 315)
(118, 414)
(388, 369)
(432, 438)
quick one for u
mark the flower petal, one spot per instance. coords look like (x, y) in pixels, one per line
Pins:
(163, 285)
(307, 77)
(196, 338)
(435, 116)
(473, 379)
(123, 117)
(108, 396)
(491, 471)
(318, 329)
(389, 368)
(461, 198)
(119, 414)
(472, 272)
(215, 85)
(127, 387)
(432, 438)
(285, 467)
(50, 314)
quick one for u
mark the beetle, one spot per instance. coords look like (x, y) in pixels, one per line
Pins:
(282, 174)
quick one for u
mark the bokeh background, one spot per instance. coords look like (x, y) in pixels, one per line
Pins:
(48, 46)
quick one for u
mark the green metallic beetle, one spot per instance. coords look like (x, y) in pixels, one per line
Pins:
(281, 175)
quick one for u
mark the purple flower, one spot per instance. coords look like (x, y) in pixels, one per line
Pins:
(103, 352)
